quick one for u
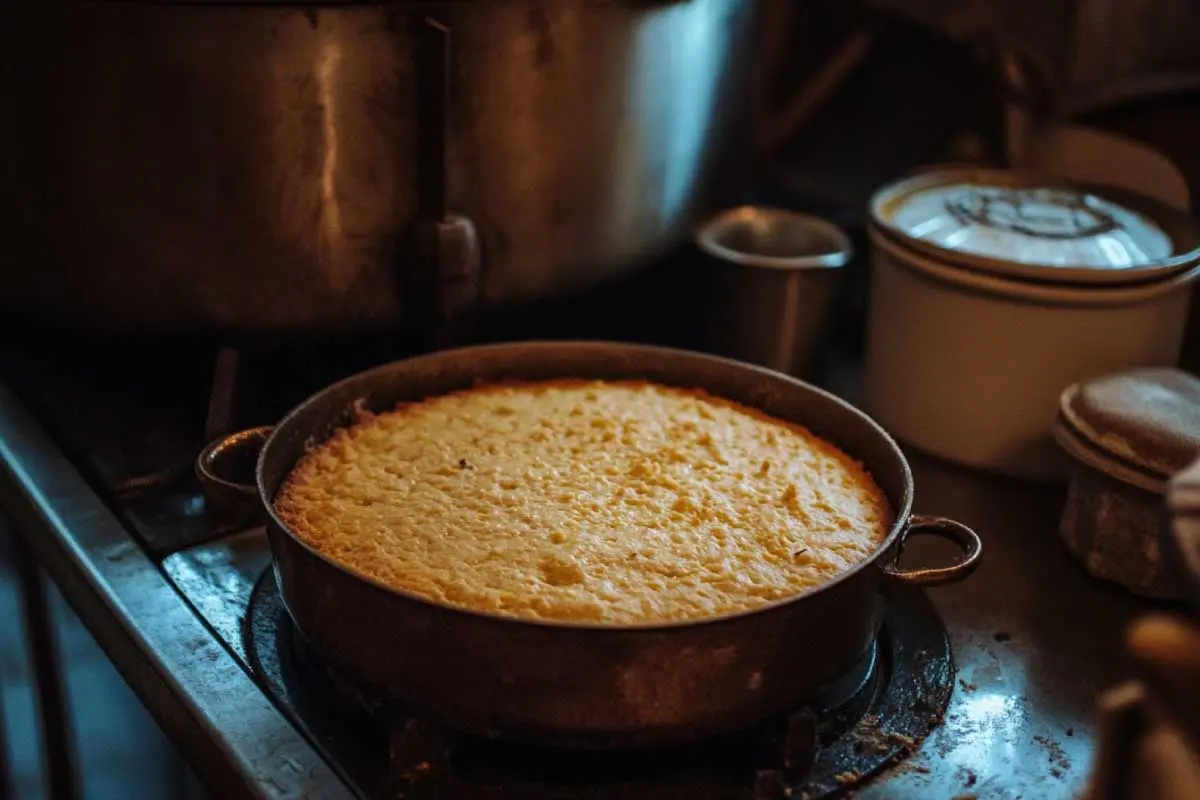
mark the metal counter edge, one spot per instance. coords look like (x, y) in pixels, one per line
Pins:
(226, 728)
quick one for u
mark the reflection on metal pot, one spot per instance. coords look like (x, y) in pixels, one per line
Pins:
(252, 165)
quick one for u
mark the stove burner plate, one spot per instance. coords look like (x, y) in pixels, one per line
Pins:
(870, 720)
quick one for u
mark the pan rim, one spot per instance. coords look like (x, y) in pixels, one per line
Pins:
(902, 509)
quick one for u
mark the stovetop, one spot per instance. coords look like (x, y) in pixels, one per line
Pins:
(96, 446)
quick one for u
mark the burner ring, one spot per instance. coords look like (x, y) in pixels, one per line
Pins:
(870, 719)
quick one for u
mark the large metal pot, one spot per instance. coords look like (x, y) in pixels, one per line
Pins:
(582, 685)
(259, 165)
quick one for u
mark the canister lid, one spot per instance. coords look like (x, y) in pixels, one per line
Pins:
(1032, 228)
(1146, 418)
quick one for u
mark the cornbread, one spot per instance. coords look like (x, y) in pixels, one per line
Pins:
(599, 502)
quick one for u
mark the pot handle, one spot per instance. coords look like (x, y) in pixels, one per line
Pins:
(961, 535)
(225, 469)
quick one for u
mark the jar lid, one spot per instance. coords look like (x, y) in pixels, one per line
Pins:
(1147, 419)
(1033, 228)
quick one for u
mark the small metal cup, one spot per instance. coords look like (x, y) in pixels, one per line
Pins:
(775, 275)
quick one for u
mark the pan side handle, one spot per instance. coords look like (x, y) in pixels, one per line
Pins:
(965, 538)
(226, 471)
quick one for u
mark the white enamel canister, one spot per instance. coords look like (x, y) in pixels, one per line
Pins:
(992, 291)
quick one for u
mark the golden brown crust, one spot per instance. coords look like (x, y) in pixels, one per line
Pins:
(612, 502)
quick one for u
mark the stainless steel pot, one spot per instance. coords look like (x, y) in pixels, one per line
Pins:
(261, 166)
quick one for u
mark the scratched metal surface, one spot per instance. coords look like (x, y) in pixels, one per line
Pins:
(1035, 639)
(236, 741)
(218, 578)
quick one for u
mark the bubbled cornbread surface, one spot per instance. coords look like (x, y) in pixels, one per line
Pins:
(609, 503)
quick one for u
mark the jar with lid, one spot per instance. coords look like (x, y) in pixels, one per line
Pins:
(993, 290)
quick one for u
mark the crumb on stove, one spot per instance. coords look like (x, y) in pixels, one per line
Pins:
(1003, 636)
(419, 772)
(846, 778)
(1054, 753)
(971, 778)
(910, 767)
(967, 687)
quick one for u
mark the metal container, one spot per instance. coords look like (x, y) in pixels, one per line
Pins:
(261, 166)
(585, 685)
(1127, 434)
(775, 275)
(980, 318)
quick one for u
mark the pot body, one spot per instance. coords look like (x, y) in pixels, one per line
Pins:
(253, 166)
(576, 688)
(970, 368)
(590, 686)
